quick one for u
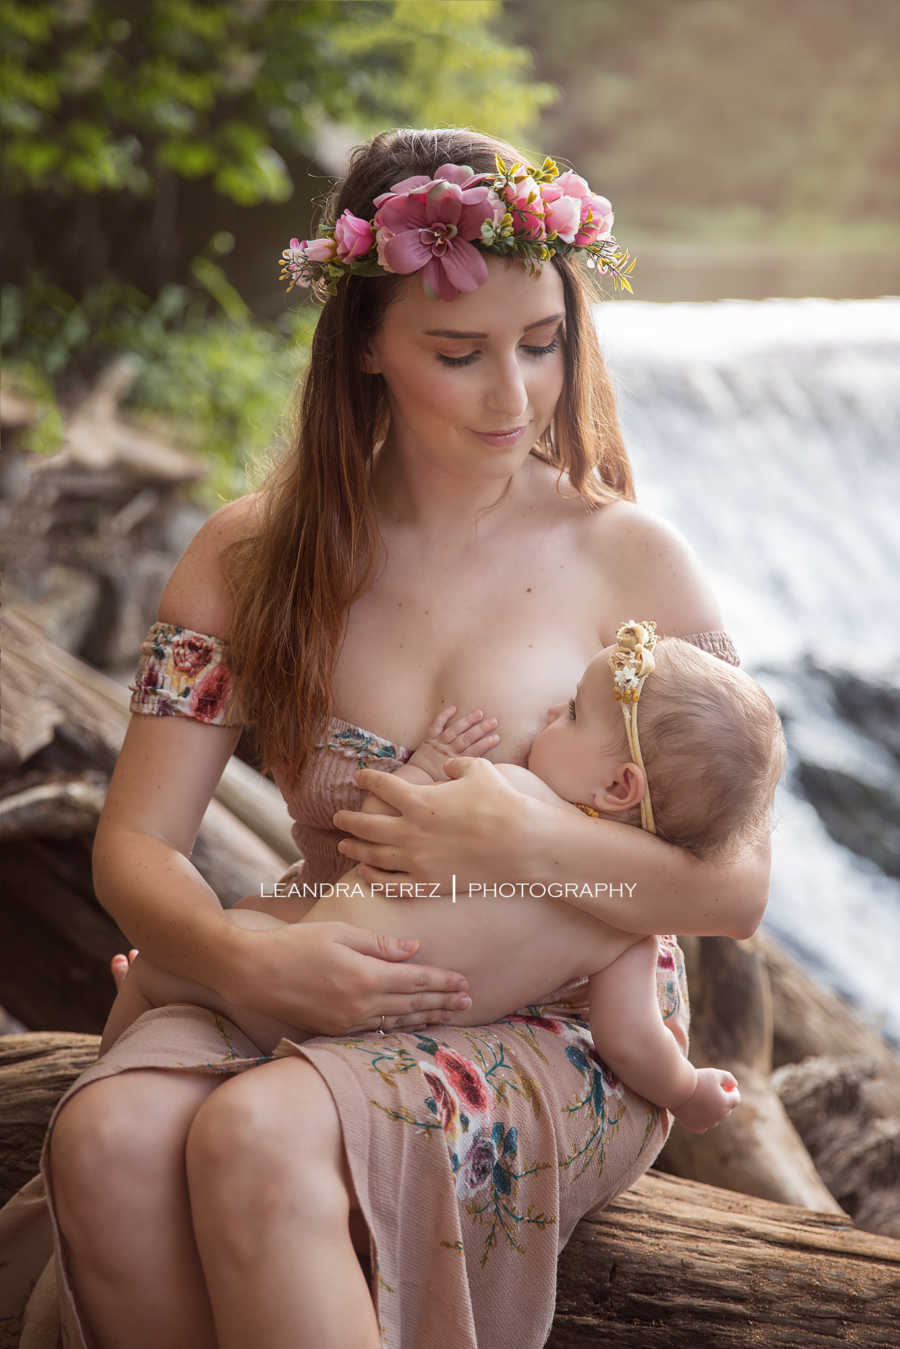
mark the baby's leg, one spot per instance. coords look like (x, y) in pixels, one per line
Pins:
(632, 1038)
(147, 985)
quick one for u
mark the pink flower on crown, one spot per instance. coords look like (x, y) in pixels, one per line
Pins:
(425, 224)
(562, 215)
(596, 213)
(527, 207)
(353, 236)
(382, 239)
(318, 250)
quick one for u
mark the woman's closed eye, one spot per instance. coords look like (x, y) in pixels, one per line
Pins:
(467, 360)
(572, 708)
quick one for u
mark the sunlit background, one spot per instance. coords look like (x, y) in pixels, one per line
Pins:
(157, 156)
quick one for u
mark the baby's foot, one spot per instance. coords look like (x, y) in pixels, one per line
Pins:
(715, 1096)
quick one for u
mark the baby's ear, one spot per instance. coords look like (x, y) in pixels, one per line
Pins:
(625, 791)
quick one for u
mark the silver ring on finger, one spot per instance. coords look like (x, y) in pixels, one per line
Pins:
(381, 1027)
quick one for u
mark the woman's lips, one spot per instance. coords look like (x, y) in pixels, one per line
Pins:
(502, 437)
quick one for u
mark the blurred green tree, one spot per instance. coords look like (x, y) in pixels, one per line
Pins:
(143, 143)
(108, 109)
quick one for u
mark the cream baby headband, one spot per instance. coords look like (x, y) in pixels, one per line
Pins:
(631, 662)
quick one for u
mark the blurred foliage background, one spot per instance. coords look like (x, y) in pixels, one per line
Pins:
(157, 155)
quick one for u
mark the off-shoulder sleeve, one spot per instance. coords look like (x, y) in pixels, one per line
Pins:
(717, 643)
(184, 673)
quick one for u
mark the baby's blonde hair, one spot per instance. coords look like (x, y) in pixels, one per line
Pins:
(713, 749)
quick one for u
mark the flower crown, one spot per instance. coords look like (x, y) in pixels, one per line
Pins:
(443, 225)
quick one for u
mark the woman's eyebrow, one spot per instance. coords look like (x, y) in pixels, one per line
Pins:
(452, 332)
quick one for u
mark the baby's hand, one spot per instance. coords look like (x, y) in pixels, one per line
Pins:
(449, 737)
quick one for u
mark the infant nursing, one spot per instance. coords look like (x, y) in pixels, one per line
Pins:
(712, 747)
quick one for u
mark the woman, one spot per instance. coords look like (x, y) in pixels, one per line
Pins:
(438, 522)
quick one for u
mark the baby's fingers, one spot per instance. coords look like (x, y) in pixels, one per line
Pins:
(480, 747)
(465, 731)
(440, 721)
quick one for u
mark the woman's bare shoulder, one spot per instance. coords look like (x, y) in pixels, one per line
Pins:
(196, 594)
(657, 570)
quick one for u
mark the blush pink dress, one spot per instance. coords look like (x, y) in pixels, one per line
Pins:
(474, 1150)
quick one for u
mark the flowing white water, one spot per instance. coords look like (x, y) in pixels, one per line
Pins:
(768, 432)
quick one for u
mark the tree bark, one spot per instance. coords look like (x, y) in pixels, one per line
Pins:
(680, 1265)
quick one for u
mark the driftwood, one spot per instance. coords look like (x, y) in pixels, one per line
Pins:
(86, 532)
(63, 726)
(670, 1263)
(848, 1113)
(821, 1132)
(808, 1020)
(680, 1265)
(36, 1069)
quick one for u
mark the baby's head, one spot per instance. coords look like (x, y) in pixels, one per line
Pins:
(710, 738)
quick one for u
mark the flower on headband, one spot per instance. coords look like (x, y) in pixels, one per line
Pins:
(632, 660)
(562, 215)
(353, 236)
(526, 206)
(426, 224)
(570, 193)
(300, 254)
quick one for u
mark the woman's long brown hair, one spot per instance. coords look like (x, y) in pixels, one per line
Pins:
(317, 543)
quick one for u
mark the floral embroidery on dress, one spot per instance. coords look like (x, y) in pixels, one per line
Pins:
(185, 673)
(368, 748)
(466, 1099)
(461, 1100)
(670, 976)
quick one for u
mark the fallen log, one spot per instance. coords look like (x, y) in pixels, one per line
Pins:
(36, 1069)
(677, 1264)
(809, 1020)
(848, 1114)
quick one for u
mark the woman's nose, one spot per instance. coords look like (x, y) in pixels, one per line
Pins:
(508, 394)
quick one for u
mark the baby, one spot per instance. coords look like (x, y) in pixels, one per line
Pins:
(712, 747)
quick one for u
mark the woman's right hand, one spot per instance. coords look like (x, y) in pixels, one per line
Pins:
(333, 978)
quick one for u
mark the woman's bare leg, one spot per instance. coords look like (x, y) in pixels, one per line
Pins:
(275, 1240)
(117, 1157)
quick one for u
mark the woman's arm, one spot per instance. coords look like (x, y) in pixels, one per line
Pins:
(330, 977)
(480, 829)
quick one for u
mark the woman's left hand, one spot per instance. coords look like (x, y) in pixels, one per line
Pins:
(473, 828)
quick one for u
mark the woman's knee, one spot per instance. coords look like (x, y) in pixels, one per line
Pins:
(117, 1132)
(268, 1131)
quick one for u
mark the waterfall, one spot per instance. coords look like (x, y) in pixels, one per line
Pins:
(768, 433)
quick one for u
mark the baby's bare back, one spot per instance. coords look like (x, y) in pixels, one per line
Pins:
(513, 950)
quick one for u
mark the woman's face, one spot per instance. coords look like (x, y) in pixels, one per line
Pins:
(488, 361)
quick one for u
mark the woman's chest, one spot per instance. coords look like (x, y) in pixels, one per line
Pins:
(508, 634)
